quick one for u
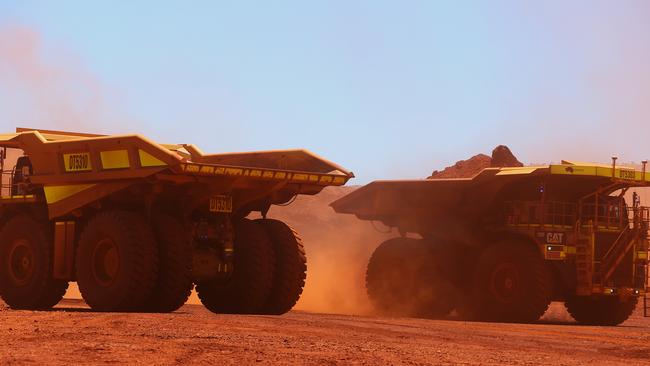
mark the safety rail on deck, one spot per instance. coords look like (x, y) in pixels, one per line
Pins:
(535, 213)
(6, 183)
(607, 216)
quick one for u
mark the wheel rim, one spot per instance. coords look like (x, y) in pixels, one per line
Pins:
(505, 283)
(105, 262)
(21, 262)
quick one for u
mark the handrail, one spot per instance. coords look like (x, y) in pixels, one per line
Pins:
(612, 215)
(603, 258)
(6, 182)
(553, 213)
(625, 241)
(611, 264)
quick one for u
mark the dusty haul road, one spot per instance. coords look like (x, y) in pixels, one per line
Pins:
(72, 334)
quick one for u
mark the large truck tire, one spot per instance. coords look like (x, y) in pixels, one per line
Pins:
(290, 267)
(409, 277)
(26, 265)
(512, 283)
(251, 281)
(117, 261)
(174, 284)
(603, 310)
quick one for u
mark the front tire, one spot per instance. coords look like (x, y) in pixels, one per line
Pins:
(26, 265)
(602, 310)
(251, 281)
(117, 261)
(512, 283)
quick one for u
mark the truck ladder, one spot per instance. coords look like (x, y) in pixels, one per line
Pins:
(646, 306)
(585, 261)
(646, 300)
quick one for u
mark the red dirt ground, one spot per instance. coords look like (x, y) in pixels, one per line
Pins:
(72, 334)
(338, 248)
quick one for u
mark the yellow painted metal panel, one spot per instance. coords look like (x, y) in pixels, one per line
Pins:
(328, 179)
(234, 171)
(603, 172)
(115, 159)
(7, 136)
(593, 169)
(517, 171)
(57, 193)
(573, 170)
(147, 160)
(77, 162)
(207, 169)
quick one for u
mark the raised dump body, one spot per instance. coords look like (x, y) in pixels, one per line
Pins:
(137, 224)
(505, 243)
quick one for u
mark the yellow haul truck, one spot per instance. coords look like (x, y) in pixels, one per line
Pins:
(502, 245)
(137, 224)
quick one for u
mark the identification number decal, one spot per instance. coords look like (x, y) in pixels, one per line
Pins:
(626, 174)
(221, 203)
(77, 162)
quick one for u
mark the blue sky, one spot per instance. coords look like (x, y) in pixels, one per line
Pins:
(389, 89)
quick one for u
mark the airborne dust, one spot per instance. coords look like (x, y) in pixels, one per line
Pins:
(57, 93)
(43, 85)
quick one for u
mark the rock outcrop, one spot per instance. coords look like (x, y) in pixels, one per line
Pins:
(501, 157)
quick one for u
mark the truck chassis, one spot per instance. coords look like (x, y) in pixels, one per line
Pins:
(138, 224)
(502, 245)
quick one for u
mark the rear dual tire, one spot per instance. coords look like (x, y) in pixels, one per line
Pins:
(290, 267)
(411, 278)
(174, 284)
(417, 278)
(603, 310)
(117, 262)
(251, 281)
(269, 271)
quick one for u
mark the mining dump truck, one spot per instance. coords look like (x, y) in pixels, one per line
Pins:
(502, 245)
(138, 224)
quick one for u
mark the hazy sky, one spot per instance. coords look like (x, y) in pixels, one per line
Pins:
(389, 89)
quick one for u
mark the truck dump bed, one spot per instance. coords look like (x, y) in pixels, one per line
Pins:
(387, 200)
(75, 168)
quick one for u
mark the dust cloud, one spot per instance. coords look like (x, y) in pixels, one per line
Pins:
(44, 86)
(338, 248)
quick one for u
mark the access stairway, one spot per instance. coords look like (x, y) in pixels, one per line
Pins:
(594, 273)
